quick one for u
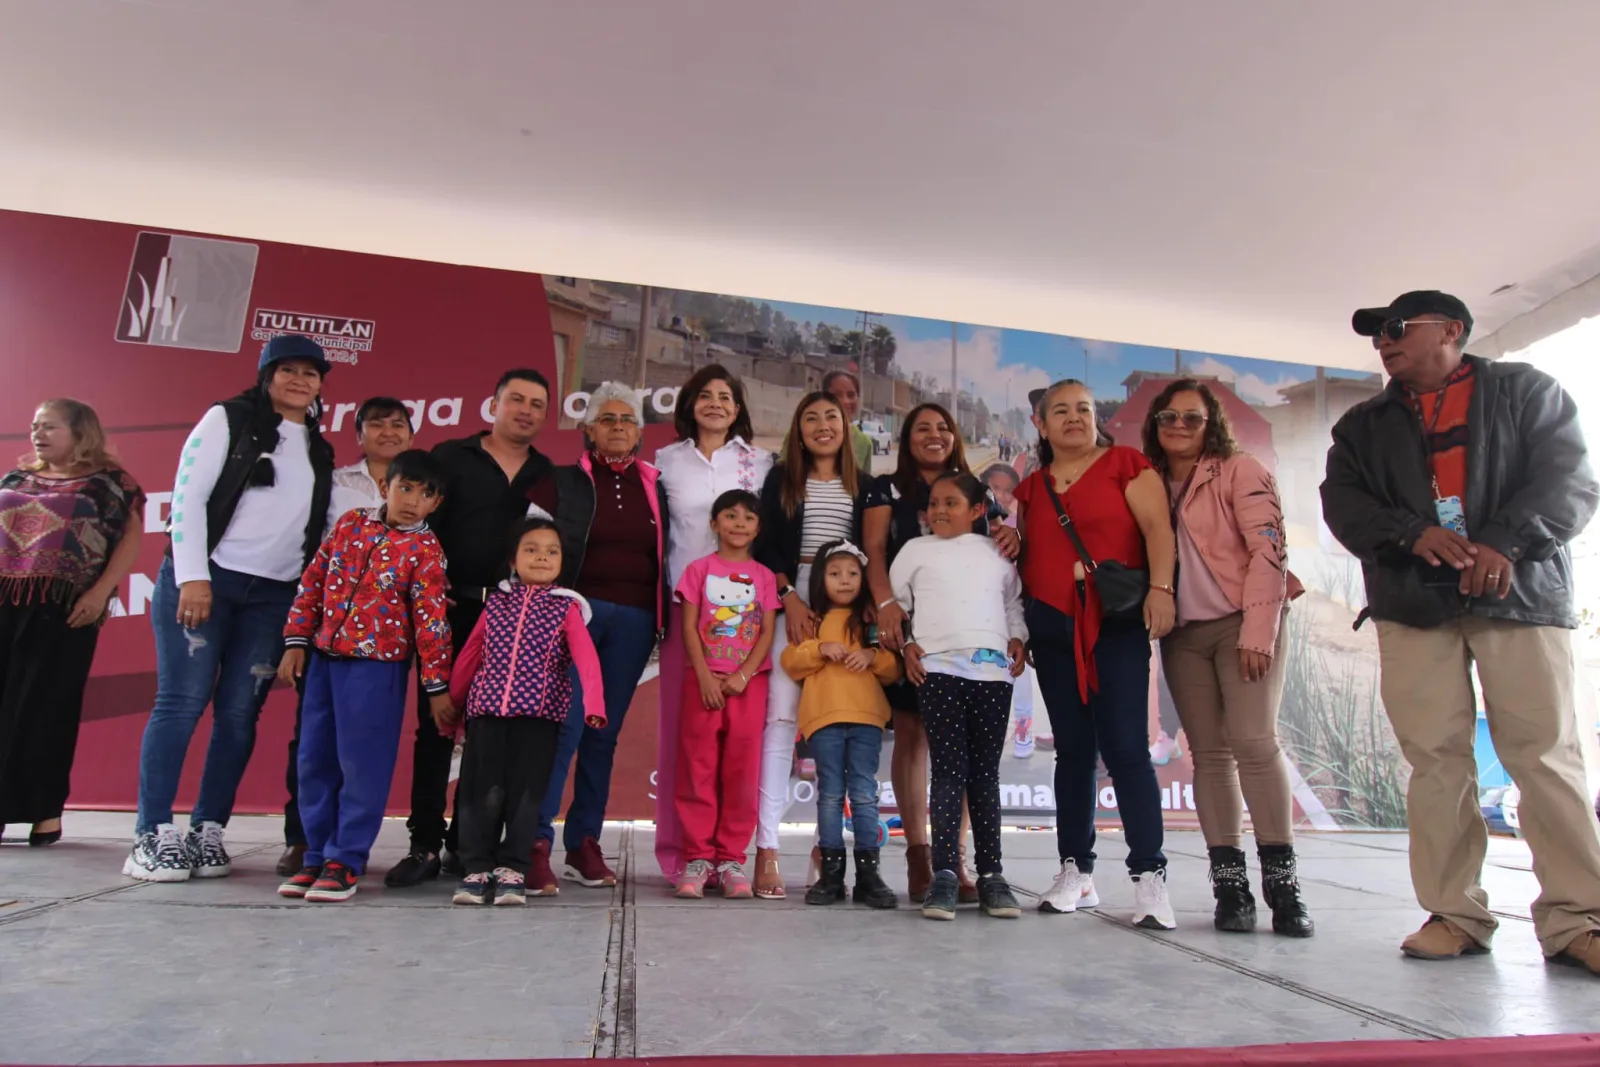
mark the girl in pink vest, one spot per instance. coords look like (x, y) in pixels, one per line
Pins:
(513, 677)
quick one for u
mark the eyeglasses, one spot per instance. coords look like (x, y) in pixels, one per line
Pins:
(1394, 329)
(609, 421)
(1191, 420)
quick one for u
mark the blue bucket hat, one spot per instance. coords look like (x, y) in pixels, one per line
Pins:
(293, 346)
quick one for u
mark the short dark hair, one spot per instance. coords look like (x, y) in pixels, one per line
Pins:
(380, 407)
(683, 412)
(735, 497)
(521, 374)
(972, 489)
(417, 465)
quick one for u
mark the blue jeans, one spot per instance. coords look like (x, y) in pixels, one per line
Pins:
(350, 723)
(229, 662)
(847, 762)
(1114, 723)
(623, 637)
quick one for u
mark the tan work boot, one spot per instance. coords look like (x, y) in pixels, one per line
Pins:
(1583, 952)
(1441, 939)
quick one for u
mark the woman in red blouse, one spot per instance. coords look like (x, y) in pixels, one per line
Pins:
(1094, 672)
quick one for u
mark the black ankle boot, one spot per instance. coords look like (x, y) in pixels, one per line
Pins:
(1280, 889)
(1230, 884)
(870, 888)
(829, 888)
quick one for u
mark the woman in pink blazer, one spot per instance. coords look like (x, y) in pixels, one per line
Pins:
(1224, 658)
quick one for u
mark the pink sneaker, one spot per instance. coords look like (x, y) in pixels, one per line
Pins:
(1165, 750)
(735, 883)
(692, 886)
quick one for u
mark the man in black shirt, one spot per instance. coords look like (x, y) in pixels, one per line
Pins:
(488, 476)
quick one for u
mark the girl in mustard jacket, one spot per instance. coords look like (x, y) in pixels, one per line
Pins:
(843, 711)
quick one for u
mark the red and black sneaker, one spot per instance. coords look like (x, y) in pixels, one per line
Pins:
(337, 882)
(587, 865)
(300, 882)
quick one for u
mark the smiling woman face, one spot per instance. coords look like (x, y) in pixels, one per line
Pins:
(933, 440)
(294, 386)
(714, 408)
(1185, 437)
(822, 428)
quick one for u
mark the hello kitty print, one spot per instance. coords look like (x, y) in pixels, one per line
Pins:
(732, 597)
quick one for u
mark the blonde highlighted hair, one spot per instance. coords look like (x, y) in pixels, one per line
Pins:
(90, 451)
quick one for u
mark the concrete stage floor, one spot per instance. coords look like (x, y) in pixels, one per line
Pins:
(95, 968)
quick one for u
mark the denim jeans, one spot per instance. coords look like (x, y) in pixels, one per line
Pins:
(847, 763)
(623, 637)
(229, 662)
(1114, 723)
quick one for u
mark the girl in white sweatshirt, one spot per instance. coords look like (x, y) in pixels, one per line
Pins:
(966, 646)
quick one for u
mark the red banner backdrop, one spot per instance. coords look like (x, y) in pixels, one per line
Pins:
(107, 314)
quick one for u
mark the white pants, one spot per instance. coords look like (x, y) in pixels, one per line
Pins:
(777, 742)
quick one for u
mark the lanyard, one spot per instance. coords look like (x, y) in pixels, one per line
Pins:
(1429, 429)
(1177, 501)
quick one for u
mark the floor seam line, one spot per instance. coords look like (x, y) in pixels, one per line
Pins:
(56, 905)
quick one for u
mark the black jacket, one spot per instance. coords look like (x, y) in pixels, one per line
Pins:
(1530, 491)
(480, 510)
(778, 542)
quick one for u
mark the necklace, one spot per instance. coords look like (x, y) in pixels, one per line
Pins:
(1073, 474)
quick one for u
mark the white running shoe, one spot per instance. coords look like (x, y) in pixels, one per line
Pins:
(1152, 908)
(1071, 890)
(159, 856)
(207, 855)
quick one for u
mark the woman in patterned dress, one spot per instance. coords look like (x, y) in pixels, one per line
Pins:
(70, 527)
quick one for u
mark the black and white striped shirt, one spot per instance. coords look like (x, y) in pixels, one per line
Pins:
(829, 515)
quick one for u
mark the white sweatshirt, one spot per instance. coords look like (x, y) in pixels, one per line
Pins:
(268, 531)
(960, 591)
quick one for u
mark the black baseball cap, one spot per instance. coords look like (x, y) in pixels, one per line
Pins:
(1369, 321)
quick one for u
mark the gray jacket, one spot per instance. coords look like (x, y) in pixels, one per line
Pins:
(1530, 491)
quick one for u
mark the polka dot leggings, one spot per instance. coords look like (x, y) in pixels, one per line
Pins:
(966, 722)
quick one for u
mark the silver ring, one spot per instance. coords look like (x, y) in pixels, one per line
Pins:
(1494, 575)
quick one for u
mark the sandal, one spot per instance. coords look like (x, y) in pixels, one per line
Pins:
(814, 869)
(769, 880)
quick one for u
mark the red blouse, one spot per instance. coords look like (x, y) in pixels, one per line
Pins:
(1098, 506)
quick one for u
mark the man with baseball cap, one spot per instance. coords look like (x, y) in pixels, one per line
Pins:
(1459, 488)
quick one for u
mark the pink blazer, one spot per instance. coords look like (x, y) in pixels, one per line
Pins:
(1233, 513)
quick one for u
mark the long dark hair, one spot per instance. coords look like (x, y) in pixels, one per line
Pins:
(796, 458)
(906, 473)
(683, 412)
(857, 625)
(1217, 442)
(1047, 454)
(262, 426)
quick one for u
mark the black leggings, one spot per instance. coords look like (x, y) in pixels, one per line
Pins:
(505, 769)
(966, 722)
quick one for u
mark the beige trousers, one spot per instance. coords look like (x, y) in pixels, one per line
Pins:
(1232, 726)
(1527, 677)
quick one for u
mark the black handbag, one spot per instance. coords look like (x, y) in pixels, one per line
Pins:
(1122, 588)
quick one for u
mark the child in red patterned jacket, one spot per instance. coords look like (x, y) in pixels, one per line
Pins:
(371, 601)
(513, 678)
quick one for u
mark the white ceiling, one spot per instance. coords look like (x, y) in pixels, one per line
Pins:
(1232, 175)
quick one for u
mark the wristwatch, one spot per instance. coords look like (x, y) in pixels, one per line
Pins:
(784, 591)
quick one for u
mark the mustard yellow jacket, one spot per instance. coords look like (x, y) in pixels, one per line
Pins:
(831, 692)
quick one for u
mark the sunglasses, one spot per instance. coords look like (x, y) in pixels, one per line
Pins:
(1394, 329)
(1191, 420)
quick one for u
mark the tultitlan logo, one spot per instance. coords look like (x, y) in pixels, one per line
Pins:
(187, 292)
(343, 339)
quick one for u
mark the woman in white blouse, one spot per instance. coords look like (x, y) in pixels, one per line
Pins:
(249, 510)
(712, 455)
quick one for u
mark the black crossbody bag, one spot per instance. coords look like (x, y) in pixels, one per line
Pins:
(1122, 588)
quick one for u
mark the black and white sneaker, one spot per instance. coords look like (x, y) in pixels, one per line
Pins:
(206, 854)
(159, 856)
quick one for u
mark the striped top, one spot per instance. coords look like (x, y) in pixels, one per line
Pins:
(829, 515)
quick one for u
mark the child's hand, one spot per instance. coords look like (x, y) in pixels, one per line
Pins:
(292, 665)
(833, 650)
(860, 660)
(1019, 656)
(914, 672)
(711, 691)
(445, 716)
(735, 683)
(594, 722)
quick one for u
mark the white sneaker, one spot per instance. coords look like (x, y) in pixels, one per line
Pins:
(1023, 746)
(206, 854)
(1152, 908)
(1071, 890)
(158, 856)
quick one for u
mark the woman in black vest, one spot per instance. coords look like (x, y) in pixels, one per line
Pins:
(249, 510)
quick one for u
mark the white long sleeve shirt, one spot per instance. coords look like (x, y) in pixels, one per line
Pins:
(267, 535)
(961, 593)
(693, 484)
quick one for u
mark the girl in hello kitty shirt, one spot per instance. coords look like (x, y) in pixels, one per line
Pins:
(729, 604)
